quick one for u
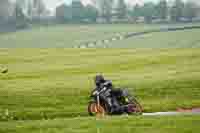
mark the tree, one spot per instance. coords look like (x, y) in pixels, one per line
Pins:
(21, 3)
(30, 9)
(121, 9)
(190, 10)
(176, 11)
(64, 13)
(162, 9)
(136, 12)
(4, 9)
(20, 16)
(39, 7)
(148, 11)
(91, 13)
(105, 8)
(77, 11)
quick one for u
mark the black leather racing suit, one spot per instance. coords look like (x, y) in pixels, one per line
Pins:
(110, 97)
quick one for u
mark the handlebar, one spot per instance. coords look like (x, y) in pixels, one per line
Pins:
(96, 92)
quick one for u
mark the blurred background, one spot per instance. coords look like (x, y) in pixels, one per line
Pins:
(20, 14)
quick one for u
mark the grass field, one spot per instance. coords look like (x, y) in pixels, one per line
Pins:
(68, 36)
(57, 82)
(164, 124)
(54, 83)
(65, 35)
(177, 39)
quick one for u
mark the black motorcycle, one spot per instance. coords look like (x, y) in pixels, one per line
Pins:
(98, 106)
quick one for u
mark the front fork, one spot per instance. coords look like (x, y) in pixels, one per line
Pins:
(98, 101)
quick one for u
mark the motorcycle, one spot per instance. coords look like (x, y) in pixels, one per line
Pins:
(98, 106)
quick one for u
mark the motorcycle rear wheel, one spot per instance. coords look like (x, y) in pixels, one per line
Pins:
(137, 108)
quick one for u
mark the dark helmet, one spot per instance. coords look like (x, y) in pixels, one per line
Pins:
(99, 79)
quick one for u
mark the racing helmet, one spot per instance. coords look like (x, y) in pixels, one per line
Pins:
(99, 79)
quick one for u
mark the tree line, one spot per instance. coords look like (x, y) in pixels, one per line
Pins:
(20, 13)
(109, 11)
(23, 12)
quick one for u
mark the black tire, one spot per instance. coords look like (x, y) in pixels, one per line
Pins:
(94, 110)
(91, 113)
(136, 104)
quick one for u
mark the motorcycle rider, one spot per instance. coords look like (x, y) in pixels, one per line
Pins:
(110, 95)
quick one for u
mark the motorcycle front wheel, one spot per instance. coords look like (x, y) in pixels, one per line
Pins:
(96, 110)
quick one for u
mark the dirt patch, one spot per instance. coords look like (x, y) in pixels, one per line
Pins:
(195, 110)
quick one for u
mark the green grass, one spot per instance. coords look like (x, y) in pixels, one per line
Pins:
(137, 124)
(177, 39)
(54, 83)
(57, 82)
(66, 35)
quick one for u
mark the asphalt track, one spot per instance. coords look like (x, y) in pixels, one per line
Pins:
(179, 111)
